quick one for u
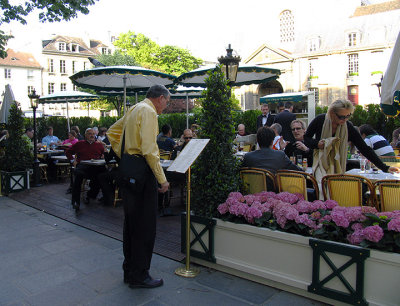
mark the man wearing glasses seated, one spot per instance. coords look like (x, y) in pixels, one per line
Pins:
(87, 149)
(299, 146)
(187, 136)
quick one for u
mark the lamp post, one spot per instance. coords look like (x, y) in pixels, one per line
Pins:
(230, 65)
(34, 104)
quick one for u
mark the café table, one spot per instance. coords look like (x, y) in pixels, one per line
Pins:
(165, 163)
(59, 157)
(94, 162)
(374, 176)
(49, 152)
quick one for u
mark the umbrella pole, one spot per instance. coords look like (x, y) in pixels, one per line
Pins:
(187, 110)
(68, 117)
(88, 108)
(124, 79)
(136, 96)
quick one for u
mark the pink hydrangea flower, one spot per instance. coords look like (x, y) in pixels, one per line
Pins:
(356, 238)
(304, 207)
(338, 216)
(305, 219)
(330, 204)
(373, 233)
(252, 213)
(394, 225)
(223, 208)
(289, 197)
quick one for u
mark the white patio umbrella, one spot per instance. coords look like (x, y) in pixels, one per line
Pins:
(66, 97)
(117, 78)
(390, 88)
(246, 75)
(186, 92)
(8, 100)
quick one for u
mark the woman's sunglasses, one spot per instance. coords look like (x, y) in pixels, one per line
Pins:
(343, 117)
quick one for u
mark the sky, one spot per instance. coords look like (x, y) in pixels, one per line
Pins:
(205, 27)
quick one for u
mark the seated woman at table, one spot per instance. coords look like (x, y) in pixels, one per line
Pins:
(332, 132)
(71, 139)
(86, 150)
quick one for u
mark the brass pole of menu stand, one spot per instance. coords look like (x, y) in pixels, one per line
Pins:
(187, 271)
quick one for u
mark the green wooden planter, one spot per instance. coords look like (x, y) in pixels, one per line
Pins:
(14, 181)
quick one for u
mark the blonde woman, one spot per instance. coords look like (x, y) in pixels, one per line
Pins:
(332, 131)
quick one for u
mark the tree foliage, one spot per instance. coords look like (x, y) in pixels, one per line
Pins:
(51, 11)
(216, 171)
(168, 59)
(18, 155)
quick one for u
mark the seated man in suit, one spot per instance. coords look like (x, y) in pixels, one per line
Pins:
(285, 118)
(266, 118)
(266, 157)
(241, 130)
(86, 150)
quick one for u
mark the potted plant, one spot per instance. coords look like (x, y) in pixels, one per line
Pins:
(17, 157)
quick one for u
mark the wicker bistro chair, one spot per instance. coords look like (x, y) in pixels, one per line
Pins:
(393, 161)
(296, 182)
(256, 180)
(388, 193)
(347, 189)
(165, 155)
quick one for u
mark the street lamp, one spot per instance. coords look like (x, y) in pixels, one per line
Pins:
(34, 98)
(230, 65)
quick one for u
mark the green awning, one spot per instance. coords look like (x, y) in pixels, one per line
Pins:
(285, 97)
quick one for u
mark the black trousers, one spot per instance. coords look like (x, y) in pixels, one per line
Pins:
(89, 172)
(139, 228)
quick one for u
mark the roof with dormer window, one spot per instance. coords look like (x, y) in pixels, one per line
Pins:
(19, 59)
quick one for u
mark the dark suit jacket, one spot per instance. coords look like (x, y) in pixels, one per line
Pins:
(285, 118)
(270, 120)
(267, 158)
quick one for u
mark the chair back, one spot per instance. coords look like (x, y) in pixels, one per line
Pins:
(389, 194)
(393, 161)
(247, 148)
(256, 180)
(165, 155)
(346, 189)
(295, 182)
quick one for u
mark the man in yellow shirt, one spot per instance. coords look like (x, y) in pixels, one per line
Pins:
(140, 127)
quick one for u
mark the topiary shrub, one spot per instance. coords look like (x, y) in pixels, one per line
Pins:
(17, 153)
(216, 172)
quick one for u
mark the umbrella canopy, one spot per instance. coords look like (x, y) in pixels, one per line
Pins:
(8, 100)
(246, 75)
(390, 88)
(68, 96)
(186, 92)
(115, 78)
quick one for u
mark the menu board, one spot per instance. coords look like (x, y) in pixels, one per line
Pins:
(188, 155)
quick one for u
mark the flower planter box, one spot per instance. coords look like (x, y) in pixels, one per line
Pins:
(14, 181)
(296, 263)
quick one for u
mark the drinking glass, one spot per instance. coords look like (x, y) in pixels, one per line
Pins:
(363, 161)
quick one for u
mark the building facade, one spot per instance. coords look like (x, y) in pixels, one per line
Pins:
(23, 73)
(337, 51)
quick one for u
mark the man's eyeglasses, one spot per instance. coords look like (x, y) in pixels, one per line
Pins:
(343, 117)
(297, 129)
(187, 137)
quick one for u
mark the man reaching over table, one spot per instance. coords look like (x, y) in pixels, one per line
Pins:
(85, 150)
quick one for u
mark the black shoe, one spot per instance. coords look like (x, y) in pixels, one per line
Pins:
(126, 277)
(75, 205)
(149, 282)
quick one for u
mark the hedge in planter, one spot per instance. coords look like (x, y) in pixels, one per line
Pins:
(17, 157)
(216, 172)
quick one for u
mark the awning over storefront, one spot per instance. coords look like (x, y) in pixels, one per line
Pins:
(285, 97)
